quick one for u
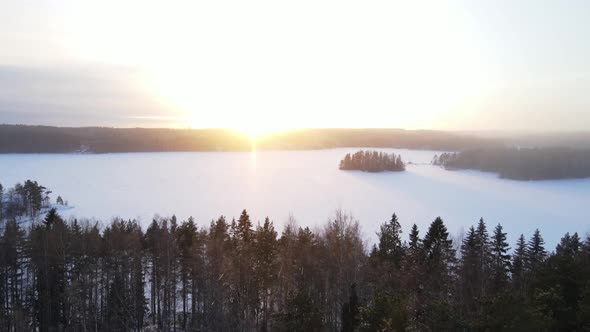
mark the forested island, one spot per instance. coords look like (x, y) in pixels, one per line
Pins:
(372, 161)
(522, 163)
(44, 139)
(229, 275)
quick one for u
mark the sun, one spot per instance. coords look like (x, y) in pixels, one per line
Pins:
(254, 130)
(258, 131)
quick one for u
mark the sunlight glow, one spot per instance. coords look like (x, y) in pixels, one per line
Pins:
(264, 66)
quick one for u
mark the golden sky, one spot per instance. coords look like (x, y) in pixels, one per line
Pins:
(260, 66)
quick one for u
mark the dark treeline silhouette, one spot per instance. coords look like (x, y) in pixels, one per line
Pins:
(43, 139)
(61, 275)
(372, 161)
(523, 163)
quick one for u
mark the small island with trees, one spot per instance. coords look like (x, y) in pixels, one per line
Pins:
(372, 161)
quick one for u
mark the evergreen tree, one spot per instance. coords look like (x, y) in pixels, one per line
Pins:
(302, 314)
(439, 261)
(500, 259)
(535, 252)
(245, 294)
(483, 251)
(414, 261)
(265, 267)
(350, 312)
(414, 243)
(469, 273)
(1, 203)
(219, 277)
(186, 236)
(48, 260)
(519, 263)
(390, 244)
(569, 245)
(12, 253)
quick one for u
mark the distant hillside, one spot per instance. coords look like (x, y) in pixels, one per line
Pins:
(43, 139)
(522, 163)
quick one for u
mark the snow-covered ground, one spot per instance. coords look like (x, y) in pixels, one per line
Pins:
(26, 221)
(306, 184)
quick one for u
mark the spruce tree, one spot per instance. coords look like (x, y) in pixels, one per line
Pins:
(301, 313)
(414, 237)
(1, 203)
(519, 263)
(390, 244)
(439, 260)
(569, 245)
(468, 273)
(500, 259)
(535, 251)
(483, 257)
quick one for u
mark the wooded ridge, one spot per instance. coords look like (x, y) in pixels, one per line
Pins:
(42, 139)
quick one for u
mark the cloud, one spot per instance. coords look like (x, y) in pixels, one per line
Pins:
(76, 95)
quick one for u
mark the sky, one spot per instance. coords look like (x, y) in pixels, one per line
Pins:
(261, 66)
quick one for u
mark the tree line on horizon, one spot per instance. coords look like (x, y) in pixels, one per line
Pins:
(59, 275)
(521, 163)
(46, 139)
(372, 161)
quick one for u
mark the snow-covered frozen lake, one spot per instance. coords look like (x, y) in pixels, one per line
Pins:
(306, 184)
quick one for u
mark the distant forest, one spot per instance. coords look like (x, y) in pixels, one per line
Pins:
(372, 161)
(233, 275)
(523, 163)
(42, 139)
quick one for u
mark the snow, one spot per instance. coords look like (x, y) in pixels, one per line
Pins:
(306, 184)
